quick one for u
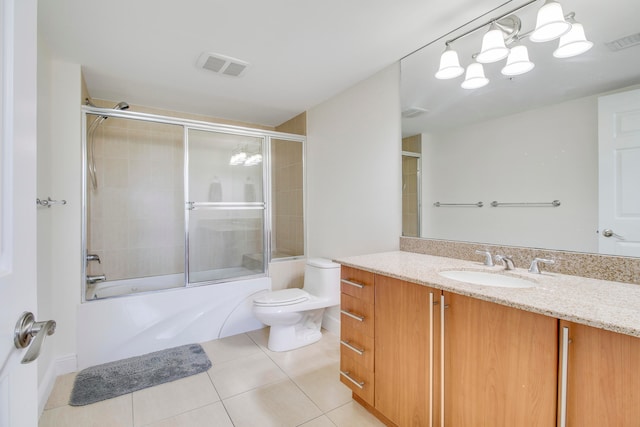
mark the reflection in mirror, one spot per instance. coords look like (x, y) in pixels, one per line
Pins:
(411, 160)
(547, 134)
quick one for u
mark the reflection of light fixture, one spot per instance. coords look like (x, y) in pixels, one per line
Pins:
(449, 65)
(574, 42)
(238, 156)
(550, 23)
(518, 61)
(474, 78)
(493, 48)
(241, 156)
(253, 159)
(504, 31)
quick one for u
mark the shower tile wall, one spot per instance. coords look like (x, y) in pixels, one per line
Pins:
(288, 198)
(135, 219)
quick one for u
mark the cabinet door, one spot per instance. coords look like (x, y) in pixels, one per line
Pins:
(603, 381)
(403, 366)
(500, 365)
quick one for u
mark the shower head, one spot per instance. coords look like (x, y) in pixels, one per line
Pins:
(91, 164)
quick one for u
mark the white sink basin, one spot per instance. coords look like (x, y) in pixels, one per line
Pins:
(487, 279)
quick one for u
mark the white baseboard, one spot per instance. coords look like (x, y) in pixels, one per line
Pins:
(66, 364)
(60, 366)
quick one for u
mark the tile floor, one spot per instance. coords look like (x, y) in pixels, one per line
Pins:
(247, 385)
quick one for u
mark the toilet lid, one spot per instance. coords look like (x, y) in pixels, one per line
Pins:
(282, 297)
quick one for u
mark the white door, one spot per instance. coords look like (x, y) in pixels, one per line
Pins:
(18, 53)
(619, 172)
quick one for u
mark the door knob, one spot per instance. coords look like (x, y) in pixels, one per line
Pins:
(607, 232)
(27, 329)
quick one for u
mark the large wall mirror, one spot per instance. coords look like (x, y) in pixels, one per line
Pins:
(549, 158)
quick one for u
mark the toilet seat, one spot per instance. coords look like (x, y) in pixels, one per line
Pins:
(282, 297)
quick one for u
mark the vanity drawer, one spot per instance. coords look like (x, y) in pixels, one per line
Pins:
(357, 346)
(357, 378)
(356, 315)
(357, 283)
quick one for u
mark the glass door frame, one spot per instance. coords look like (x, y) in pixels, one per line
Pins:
(264, 206)
(191, 124)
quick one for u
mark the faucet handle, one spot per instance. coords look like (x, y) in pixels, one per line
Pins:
(507, 261)
(534, 264)
(488, 261)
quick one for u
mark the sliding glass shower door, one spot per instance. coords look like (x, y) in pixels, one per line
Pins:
(225, 206)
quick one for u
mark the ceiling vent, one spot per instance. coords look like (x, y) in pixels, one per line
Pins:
(624, 42)
(413, 112)
(221, 64)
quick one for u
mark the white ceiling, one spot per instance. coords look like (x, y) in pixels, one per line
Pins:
(301, 52)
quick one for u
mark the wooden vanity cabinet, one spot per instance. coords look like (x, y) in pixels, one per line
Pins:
(417, 356)
(602, 372)
(357, 327)
(500, 365)
(404, 354)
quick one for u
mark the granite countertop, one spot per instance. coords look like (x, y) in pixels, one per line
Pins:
(613, 306)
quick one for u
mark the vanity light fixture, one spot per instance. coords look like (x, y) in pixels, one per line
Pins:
(504, 31)
(574, 42)
(475, 77)
(550, 23)
(449, 65)
(518, 61)
(493, 47)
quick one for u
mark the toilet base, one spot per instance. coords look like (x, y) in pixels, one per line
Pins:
(290, 337)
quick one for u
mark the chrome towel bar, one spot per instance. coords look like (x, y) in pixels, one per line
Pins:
(553, 204)
(438, 204)
(49, 202)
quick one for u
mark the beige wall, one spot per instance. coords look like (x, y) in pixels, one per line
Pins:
(354, 171)
(296, 125)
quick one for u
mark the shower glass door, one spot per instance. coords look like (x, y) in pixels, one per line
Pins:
(225, 205)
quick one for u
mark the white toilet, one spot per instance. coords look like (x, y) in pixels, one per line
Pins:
(295, 315)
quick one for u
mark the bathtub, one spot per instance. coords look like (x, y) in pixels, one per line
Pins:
(116, 328)
(115, 288)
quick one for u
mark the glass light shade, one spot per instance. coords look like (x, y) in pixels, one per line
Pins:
(449, 65)
(493, 48)
(518, 61)
(474, 78)
(550, 23)
(573, 43)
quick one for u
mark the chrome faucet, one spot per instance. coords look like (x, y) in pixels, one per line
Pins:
(488, 261)
(507, 261)
(95, 279)
(534, 264)
(93, 257)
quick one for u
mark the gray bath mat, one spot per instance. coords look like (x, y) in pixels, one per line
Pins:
(125, 376)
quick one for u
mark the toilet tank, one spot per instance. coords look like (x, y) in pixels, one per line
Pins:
(322, 279)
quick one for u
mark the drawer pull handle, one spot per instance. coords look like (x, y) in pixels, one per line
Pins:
(350, 347)
(356, 284)
(359, 384)
(353, 316)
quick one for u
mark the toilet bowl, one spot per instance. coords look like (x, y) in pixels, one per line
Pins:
(295, 315)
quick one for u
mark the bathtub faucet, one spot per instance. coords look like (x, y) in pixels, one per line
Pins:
(95, 279)
(93, 257)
